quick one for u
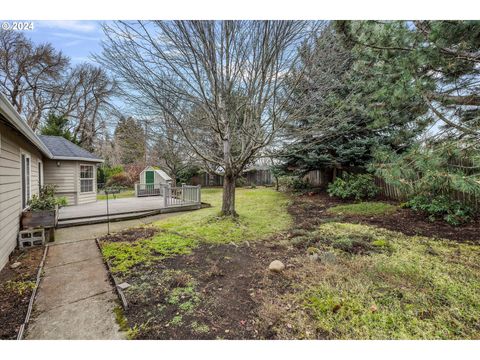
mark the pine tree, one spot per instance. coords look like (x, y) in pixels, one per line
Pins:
(57, 125)
(336, 128)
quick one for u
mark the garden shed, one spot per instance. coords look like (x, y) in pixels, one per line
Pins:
(154, 175)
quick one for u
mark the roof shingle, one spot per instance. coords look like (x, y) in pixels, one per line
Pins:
(62, 148)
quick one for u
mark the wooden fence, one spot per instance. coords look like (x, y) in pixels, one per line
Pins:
(321, 178)
(253, 177)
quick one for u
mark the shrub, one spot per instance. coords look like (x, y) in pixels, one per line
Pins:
(453, 212)
(358, 187)
(292, 183)
(241, 182)
(105, 172)
(120, 180)
(46, 199)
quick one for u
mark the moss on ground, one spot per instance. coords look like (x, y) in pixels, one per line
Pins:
(424, 289)
(124, 255)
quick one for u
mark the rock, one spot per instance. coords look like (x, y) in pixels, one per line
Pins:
(373, 308)
(123, 285)
(328, 257)
(313, 257)
(276, 266)
(15, 265)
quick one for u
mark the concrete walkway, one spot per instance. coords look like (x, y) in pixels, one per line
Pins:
(75, 299)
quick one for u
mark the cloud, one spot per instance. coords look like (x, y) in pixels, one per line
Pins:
(71, 25)
(73, 36)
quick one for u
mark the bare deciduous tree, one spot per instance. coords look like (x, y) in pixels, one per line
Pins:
(29, 74)
(221, 82)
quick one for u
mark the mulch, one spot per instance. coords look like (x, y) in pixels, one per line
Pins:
(228, 280)
(13, 305)
(314, 205)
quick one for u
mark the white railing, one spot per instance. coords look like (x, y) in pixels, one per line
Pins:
(172, 196)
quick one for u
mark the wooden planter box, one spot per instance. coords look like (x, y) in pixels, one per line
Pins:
(39, 219)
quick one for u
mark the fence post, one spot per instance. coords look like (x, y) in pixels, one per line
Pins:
(199, 196)
(165, 195)
(136, 190)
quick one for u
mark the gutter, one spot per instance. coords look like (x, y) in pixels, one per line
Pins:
(9, 112)
(76, 159)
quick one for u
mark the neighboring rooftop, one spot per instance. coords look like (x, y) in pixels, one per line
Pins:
(63, 149)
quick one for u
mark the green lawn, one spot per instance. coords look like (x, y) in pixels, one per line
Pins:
(363, 209)
(122, 194)
(262, 212)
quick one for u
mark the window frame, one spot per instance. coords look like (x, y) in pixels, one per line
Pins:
(26, 195)
(40, 175)
(92, 179)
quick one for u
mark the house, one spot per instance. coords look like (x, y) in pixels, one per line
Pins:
(72, 169)
(28, 162)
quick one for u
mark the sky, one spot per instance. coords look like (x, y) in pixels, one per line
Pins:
(77, 39)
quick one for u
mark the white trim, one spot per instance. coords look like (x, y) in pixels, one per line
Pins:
(12, 116)
(29, 157)
(92, 178)
(40, 170)
(77, 159)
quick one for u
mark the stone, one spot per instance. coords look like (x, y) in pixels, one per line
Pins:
(313, 257)
(328, 257)
(123, 286)
(276, 266)
(15, 265)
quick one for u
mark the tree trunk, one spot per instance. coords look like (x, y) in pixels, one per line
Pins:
(228, 203)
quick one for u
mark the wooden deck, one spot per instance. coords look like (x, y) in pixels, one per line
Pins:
(119, 209)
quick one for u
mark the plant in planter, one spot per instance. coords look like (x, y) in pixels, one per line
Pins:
(43, 208)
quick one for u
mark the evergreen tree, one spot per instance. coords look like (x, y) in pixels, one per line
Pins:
(428, 69)
(57, 125)
(336, 128)
(130, 142)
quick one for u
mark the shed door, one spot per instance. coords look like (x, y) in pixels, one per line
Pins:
(149, 177)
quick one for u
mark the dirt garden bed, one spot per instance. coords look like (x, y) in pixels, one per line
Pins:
(212, 293)
(16, 286)
(313, 206)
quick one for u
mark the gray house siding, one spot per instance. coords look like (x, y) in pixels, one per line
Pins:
(11, 146)
(65, 174)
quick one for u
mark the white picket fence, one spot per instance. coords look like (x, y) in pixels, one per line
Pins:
(172, 196)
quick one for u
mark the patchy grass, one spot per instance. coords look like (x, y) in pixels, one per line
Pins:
(124, 255)
(262, 212)
(368, 208)
(420, 289)
(122, 194)
(20, 287)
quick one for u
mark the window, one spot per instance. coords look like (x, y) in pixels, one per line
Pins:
(26, 176)
(86, 178)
